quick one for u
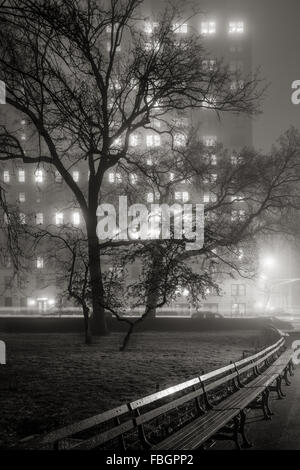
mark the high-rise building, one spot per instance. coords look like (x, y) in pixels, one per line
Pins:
(44, 199)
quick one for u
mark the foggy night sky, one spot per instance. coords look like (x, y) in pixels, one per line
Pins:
(276, 47)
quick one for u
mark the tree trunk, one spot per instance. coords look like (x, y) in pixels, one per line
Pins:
(87, 328)
(153, 287)
(98, 320)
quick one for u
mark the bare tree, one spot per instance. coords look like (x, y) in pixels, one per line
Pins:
(63, 71)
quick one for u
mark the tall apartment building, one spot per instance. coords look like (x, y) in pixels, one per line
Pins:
(43, 197)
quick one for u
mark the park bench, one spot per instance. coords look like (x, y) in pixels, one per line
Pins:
(187, 416)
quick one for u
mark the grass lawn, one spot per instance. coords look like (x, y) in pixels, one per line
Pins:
(52, 380)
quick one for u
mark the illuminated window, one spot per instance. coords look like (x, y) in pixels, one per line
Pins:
(206, 198)
(210, 141)
(22, 197)
(179, 140)
(115, 178)
(172, 176)
(238, 215)
(234, 159)
(22, 218)
(237, 85)
(209, 102)
(59, 218)
(118, 177)
(133, 178)
(6, 176)
(23, 136)
(40, 262)
(180, 28)
(21, 176)
(236, 27)
(76, 218)
(133, 140)
(76, 176)
(39, 176)
(150, 197)
(213, 159)
(150, 27)
(117, 142)
(208, 27)
(58, 177)
(182, 196)
(209, 65)
(153, 140)
(39, 218)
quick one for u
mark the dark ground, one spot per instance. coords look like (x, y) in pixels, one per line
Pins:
(54, 379)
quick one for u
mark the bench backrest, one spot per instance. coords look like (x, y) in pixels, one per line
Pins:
(55, 439)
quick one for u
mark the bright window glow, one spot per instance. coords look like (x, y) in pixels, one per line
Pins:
(210, 141)
(39, 176)
(31, 302)
(150, 27)
(206, 198)
(111, 177)
(76, 218)
(153, 140)
(237, 85)
(39, 218)
(58, 177)
(213, 159)
(180, 28)
(59, 218)
(209, 65)
(150, 197)
(22, 197)
(21, 176)
(208, 27)
(40, 262)
(22, 218)
(76, 176)
(133, 140)
(209, 102)
(133, 178)
(236, 27)
(6, 176)
(179, 140)
(182, 196)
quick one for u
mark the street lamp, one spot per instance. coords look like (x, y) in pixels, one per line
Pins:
(268, 262)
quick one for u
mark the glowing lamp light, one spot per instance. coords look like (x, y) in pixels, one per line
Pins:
(268, 262)
(51, 302)
(31, 302)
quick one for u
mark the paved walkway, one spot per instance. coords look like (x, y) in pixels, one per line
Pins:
(282, 432)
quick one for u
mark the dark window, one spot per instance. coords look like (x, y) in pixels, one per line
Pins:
(238, 290)
(8, 302)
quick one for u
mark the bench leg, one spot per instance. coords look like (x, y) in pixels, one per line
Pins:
(265, 406)
(236, 429)
(291, 368)
(285, 377)
(280, 395)
(266, 402)
(246, 443)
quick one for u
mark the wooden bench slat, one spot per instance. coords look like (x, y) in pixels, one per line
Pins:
(163, 393)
